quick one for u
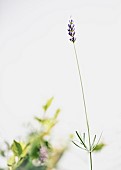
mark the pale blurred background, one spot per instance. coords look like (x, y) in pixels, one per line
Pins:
(37, 62)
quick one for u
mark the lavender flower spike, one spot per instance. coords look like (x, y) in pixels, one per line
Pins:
(43, 154)
(71, 31)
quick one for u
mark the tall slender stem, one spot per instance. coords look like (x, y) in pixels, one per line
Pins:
(85, 108)
(90, 155)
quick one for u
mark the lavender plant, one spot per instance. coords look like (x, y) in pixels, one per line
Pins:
(91, 145)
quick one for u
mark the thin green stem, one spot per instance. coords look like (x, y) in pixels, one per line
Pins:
(85, 108)
(90, 155)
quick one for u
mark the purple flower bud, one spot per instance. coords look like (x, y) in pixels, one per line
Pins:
(69, 25)
(71, 21)
(70, 33)
(73, 34)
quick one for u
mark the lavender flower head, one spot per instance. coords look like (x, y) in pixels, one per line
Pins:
(43, 154)
(71, 31)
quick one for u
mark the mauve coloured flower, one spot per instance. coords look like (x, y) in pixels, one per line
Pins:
(71, 30)
(43, 154)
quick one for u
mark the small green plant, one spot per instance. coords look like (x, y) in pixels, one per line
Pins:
(38, 151)
(91, 145)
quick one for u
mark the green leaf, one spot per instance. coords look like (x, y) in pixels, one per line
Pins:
(39, 120)
(11, 161)
(2, 153)
(45, 121)
(81, 140)
(47, 144)
(78, 145)
(48, 103)
(16, 148)
(93, 147)
(93, 141)
(56, 113)
(34, 148)
(99, 147)
(24, 149)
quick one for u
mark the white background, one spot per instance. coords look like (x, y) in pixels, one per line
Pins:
(37, 62)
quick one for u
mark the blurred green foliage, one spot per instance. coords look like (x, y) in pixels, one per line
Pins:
(99, 147)
(37, 152)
